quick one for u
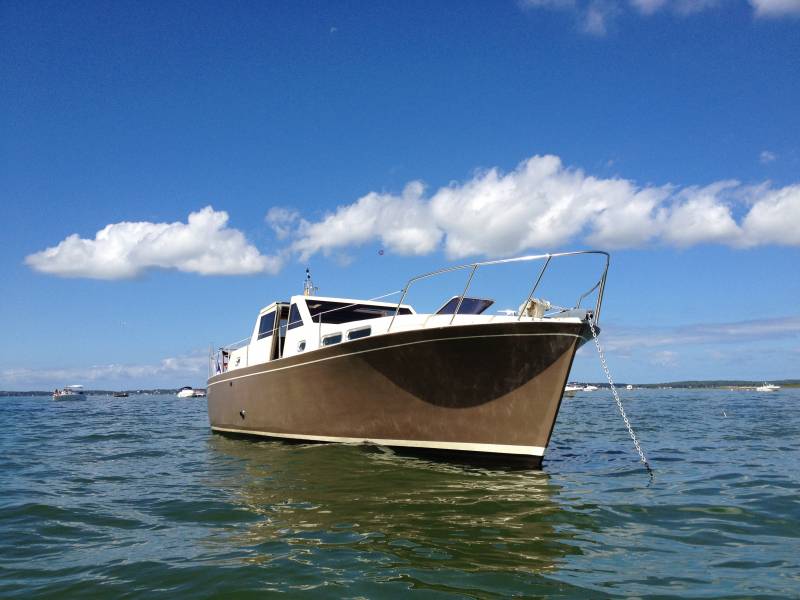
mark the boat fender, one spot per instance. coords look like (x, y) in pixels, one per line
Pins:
(242, 413)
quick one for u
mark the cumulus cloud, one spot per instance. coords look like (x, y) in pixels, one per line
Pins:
(281, 220)
(401, 222)
(543, 204)
(773, 218)
(204, 245)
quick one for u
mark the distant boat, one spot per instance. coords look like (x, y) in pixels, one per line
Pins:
(768, 387)
(190, 392)
(120, 394)
(70, 392)
(629, 387)
(571, 389)
(589, 388)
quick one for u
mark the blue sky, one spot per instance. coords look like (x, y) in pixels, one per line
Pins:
(439, 132)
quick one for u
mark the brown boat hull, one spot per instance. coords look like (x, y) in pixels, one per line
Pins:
(490, 389)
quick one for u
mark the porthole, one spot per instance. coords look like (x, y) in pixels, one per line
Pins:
(359, 333)
(301, 346)
(329, 340)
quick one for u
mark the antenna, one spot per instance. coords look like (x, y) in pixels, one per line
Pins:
(309, 289)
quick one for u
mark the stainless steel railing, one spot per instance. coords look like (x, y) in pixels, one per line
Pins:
(473, 267)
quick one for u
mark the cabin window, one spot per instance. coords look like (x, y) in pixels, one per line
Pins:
(301, 346)
(330, 340)
(266, 325)
(295, 320)
(359, 333)
(336, 313)
(469, 306)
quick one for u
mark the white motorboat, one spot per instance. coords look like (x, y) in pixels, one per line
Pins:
(190, 392)
(589, 388)
(768, 387)
(69, 392)
(452, 380)
(629, 387)
(571, 389)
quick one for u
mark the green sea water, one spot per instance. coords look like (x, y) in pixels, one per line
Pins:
(135, 497)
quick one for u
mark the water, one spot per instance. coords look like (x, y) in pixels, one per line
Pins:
(134, 497)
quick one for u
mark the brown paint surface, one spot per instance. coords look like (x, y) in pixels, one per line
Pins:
(490, 384)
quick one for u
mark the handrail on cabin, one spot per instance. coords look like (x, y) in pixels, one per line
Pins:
(600, 285)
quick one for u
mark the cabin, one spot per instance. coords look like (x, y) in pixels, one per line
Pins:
(307, 323)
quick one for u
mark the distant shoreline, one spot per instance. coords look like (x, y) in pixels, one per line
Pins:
(722, 384)
(137, 392)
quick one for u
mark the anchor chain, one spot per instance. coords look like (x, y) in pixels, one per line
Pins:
(603, 363)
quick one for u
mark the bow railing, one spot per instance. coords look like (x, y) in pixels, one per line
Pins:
(547, 258)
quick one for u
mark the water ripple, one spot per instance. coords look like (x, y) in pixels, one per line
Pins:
(136, 498)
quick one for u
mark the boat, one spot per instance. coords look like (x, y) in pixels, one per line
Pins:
(571, 389)
(190, 392)
(629, 387)
(590, 388)
(120, 394)
(69, 392)
(768, 387)
(457, 380)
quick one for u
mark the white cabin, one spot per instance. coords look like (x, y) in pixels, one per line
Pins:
(308, 323)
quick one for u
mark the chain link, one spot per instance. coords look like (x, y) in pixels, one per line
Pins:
(603, 363)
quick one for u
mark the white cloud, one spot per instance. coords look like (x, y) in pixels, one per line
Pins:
(204, 245)
(776, 8)
(664, 358)
(774, 218)
(402, 223)
(767, 157)
(648, 7)
(593, 16)
(543, 205)
(169, 372)
(626, 339)
(281, 220)
(596, 17)
(700, 216)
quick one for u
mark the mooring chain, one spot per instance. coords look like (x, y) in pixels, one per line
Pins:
(603, 363)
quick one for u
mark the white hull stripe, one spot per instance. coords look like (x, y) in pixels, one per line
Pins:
(463, 446)
(465, 337)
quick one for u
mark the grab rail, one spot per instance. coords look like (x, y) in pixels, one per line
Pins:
(600, 285)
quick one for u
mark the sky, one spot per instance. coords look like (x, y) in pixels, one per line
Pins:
(167, 169)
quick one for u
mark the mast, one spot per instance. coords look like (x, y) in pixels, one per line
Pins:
(309, 289)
